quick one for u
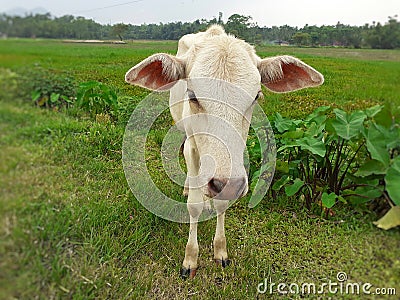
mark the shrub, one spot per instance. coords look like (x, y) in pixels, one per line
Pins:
(341, 157)
(46, 87)
(95, 97)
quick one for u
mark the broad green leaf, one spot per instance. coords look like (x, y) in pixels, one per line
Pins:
(282, 124)
(395, 138)
(378, 152)
(293, 134)
(385, 116)
(385, 132)
(328, 200)
(290, 190)
(348, 125)
(372, 111)
(280, 183)
(388, 138)
(370, 167)
(376, 145)
(390, 220)
(340, 114)
(288, 145)
(313, 145)
(369, 191)
(330, 129)
(364, 194)
(363, 180)
(392, 180)
(316, 128)
(318, 112)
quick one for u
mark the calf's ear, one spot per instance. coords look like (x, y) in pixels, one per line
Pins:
(285, 73)
(159, 71)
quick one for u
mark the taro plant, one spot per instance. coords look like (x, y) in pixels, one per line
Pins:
(336, 156)
(96, 98)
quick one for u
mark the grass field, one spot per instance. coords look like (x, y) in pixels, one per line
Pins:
(71, 229)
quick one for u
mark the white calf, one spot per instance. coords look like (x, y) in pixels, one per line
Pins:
(215, 116)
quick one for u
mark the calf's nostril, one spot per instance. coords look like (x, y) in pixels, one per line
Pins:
(215, 186)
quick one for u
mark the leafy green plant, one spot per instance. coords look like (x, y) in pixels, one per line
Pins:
(46, 87)
(348, 157)
(55, 100)
(96, 97)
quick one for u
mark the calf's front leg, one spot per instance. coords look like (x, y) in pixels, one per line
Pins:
(220, 252)
(195, 205)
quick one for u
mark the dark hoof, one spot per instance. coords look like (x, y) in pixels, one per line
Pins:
(222, 262)
(188, 273)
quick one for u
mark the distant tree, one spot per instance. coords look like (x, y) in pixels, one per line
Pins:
(119, 30)
(220, 18)
(239, 26)
(377, 35)
(385, 36)
(302, 39)
(314, 34)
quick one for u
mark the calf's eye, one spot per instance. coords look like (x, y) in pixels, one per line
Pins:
(195, 105)
(192, 96)
(259, 95)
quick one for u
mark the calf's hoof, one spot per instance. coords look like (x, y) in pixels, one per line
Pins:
(222, 262)
(188, 273)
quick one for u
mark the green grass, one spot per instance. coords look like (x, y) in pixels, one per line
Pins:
(353, 78)
(70, 227)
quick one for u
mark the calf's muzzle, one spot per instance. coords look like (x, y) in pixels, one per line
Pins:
(227, 188)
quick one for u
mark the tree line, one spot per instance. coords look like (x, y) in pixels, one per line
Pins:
(375, 35)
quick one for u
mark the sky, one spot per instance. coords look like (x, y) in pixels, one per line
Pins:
(264, 12)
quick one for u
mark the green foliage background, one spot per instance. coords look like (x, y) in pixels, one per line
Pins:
(375, 35)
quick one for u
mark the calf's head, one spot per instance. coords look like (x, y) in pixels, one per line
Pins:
(217, 80)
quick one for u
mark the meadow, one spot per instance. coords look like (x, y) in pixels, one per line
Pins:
(71, 228)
